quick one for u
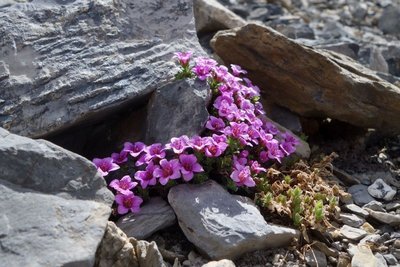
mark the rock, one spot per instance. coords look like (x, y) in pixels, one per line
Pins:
(154, 216)
(357, 210)
(375, 205)
(315, 258)
(296, 82)
(347, 49)
(374, 238)
(211, 16)
(116, 249)
(344, 260)
(351, 220)
(390, 259)
(221, 225)
(383, 217)
(392, 206)
(390, 20)
(147, 253)
(296, 31)
(379, 189)
(377, 62)
(360, 194)
(330, 252)
(368, 228)
(72, 62)
(352, 233)
(364, 257)
(381, 262)
(176, 109)
(66, 204)
(221, 263)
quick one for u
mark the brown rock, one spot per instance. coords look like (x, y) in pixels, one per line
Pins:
(311, 82)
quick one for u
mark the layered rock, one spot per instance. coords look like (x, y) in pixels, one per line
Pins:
(54, 205)
(65, 62)
(311, 82)
(221, 225)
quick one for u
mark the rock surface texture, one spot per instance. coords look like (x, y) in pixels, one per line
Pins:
(65, 62)
(310, 82)
(54, 205)
(154, 215)
(177, 108)
(221, 225)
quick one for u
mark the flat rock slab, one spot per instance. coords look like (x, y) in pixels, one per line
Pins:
(154, 215)
(221, 225)
(65, 62)
(311, 82)
(54, 205)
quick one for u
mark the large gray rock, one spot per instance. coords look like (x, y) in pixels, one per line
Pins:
(177, 108)
(65, 62)
(360, 194)
(153, 216)
(379, 189)
(54, 205)
(310, 82)
(221, 225)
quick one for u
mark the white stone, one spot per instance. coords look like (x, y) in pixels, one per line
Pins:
(351, 220)
(381, 190)
(352, 233)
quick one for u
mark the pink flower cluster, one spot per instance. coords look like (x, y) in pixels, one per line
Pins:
(237, 132)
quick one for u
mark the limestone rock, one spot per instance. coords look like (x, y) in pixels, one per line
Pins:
(315, 258)
(70, 62)
(53, 203)
(375, 205)
(360, 194)
(392, 219)
(154, 215)
(357, 210)
(177, 108)
(363, 257)
(379, 189)
(352, 233)
(351, 220)
(211, 16)
(311, 82)
(147, 253)
(221, 225)
(221, 263)
(115, 249)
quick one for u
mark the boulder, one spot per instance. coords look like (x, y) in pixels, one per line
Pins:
(211, 16)
(221, 225)
(154, 215)
(54, 205)
(177, 108)
(311, 82)
(68, 62)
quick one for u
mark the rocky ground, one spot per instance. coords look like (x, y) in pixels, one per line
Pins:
(90, 75)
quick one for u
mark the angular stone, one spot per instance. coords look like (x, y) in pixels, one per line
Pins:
(379, 189)
(390, 259)
(374, 205)
(357, 210)
(74, 61)
(351, 220)
(360, 194)
(211, 16)
(381, 262)
(154, 216)
(176, 109)
(115, 249)
(53, 203)
(147, 253)
(221, 263)
(352, 233)
(310, 82)
(315, 258)
(392, 206)
(221, 225)
(364, 257)
(383, 217)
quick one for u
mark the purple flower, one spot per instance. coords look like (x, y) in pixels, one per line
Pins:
(215, 123)
(274, 152)
(168, 170)
(146, 177)
(289, 138)
(106, 165)
(237, 70)
(219, 138)
(198, 143)
(214, 149)
(242, 176)
(189, 166)
(184, 57)
(238, 131)
(120, 157)
(124, 185)
(256, 167)
(154, 151)
(128, 202)
(271, 128)
(220, 73)
(203, 67)
(287, 147)
(178, 145)
(134, 149)
(227, 110)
